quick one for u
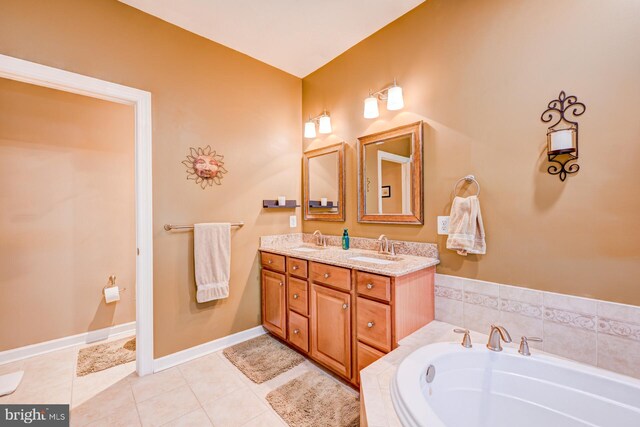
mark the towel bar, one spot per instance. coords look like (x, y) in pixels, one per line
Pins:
(169, 227)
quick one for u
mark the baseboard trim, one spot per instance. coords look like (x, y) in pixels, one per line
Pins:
(183, 356)
(25, 352)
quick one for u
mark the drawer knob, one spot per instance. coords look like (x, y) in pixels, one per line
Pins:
(296, 331)
(370, 324)
(280, 283)
(269, 261)
(326, 275)
(295, 296)
(294, 268)
(345, 306)
(369, 285)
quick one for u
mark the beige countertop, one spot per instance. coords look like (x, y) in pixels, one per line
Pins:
(402, 264)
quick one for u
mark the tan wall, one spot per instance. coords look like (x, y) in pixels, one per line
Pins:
(480, 73)
(68, 215)
(202, 94)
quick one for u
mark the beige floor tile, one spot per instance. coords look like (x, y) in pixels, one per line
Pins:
(153, 385)
(9, 368)
(167, 407)
(268, 419)
(204, 368)
(124, 417)
(235, 409)
(87, 387)
(197, 418)
(102, 404)
(214, 386)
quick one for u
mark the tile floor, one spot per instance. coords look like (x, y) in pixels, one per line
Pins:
(208, 391)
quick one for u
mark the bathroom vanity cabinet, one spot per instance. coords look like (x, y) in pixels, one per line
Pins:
(343, 318)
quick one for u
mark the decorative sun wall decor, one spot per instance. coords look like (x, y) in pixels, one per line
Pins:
(204, 166)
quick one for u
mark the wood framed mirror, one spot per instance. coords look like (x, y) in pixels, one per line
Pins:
(390, 176)
(323, 182)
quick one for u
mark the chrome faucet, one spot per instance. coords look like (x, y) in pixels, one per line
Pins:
(524, 345)
(497, 334)
(386, 247)
(319, 238)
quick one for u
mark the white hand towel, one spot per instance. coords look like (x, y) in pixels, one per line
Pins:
(212, 256)
(466, 230)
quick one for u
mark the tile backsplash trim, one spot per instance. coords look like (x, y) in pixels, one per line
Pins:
(591, 331)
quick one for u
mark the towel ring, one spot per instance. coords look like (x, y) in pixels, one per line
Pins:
(469, 179)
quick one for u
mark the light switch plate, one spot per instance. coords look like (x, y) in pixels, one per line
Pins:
(443, 225)
(293, 221)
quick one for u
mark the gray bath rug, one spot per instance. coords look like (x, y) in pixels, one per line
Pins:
(104, 356)
(312, 400)
(262, 358)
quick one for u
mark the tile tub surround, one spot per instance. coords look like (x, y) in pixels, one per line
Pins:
(599, 333)
(375, 380)
(335, 255)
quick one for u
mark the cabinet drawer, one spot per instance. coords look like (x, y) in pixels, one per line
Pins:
(374, 324)
(272, 261)
(297, 267)
(337, 277)
(366, 356)
(299, 331)
(373, 285)
(298, 296)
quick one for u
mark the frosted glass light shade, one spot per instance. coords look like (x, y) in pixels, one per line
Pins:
(395, 100)
(309, 129)
(371, 107)
(325, 124)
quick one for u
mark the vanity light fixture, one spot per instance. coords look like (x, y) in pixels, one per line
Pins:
(562, 135)
(324, 125)
(392, 94)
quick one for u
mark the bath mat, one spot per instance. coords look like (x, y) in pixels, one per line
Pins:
(313, 399)
(262, 358)
(104, 356)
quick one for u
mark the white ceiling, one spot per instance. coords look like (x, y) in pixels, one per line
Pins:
(297, 36)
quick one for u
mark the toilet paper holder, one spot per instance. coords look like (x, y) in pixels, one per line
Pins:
(112, 283)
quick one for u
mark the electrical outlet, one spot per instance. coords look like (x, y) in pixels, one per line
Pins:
(443, 225)
(293, 221)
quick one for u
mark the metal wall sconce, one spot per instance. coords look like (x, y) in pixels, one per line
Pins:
(562, 135)
(392, 94)
(324, 125)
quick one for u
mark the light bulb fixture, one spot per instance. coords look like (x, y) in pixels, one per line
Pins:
(371, 107)
(324, 125)
(392, 94)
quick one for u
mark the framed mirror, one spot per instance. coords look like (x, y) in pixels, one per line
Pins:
(323, 182)
(390, 168)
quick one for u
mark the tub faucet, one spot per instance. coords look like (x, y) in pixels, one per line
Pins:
(497, 334)
(319, 237)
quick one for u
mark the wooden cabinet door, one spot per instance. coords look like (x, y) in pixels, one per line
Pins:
(331, 328)
(274, 297)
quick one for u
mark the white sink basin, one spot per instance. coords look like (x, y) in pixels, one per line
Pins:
(372, 260)
(306, 249)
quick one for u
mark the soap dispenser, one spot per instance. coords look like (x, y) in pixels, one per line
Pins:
(345, 239)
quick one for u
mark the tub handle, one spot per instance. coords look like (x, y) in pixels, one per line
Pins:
(466, 339)
(524, 345)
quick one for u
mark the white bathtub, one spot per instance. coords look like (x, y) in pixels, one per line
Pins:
(478, 387)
